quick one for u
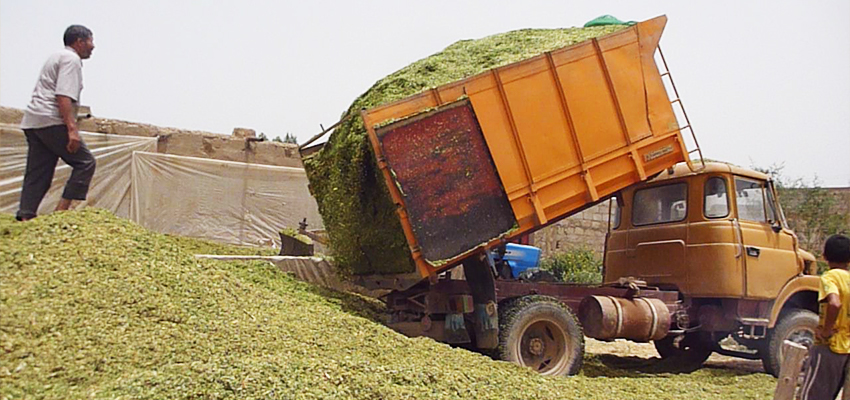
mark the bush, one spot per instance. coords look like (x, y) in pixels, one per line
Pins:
(578, 265)
(810, 210)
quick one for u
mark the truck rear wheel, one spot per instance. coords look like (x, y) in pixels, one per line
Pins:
(797, 325)
(690, 350)
(541, 333)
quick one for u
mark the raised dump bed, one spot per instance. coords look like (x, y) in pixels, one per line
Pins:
(482, 160)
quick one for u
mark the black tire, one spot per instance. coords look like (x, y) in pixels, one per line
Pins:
(797, 325)
(689, 351)
(541, 333)
(665, 347)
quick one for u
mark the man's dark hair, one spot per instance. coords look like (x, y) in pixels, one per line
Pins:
(837, 249)
(75, 32)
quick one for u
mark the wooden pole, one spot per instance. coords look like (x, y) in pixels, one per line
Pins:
(845, 395)
(789, 371)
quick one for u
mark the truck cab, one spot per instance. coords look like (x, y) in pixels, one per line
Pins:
(717, 236)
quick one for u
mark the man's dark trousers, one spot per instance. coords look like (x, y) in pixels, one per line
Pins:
(46, 147)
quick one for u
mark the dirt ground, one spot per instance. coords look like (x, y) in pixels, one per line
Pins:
(624, 348)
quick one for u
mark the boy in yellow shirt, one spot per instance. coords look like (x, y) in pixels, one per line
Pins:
(831, 352)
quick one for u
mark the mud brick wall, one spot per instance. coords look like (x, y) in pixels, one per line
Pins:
(189, 143)
(583, 230)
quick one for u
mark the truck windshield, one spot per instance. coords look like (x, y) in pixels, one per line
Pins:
(775, 208)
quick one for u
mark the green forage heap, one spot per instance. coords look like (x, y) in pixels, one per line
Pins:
(365, 235)
(96, 307)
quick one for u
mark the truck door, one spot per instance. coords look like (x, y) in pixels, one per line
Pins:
(715, 263)
(768, 248)
(657, 239)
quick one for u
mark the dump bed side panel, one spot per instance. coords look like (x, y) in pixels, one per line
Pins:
(563, 130)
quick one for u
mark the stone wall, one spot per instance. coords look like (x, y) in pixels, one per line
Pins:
(842, 196)
(586, 229)
(241, 148)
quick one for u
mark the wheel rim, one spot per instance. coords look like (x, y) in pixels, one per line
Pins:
(543, 347)
(802, 335)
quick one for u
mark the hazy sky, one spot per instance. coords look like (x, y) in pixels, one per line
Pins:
(763, 82)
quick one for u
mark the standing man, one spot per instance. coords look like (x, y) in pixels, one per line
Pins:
(50, 125)
(829, 356)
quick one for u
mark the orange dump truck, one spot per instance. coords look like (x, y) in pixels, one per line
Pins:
(493, 157)
(480, 162)
(695, 253)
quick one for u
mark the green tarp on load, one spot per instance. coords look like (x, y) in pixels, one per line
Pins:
(606, 20)
(364, 231)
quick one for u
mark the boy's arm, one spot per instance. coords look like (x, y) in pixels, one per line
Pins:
(833, 306)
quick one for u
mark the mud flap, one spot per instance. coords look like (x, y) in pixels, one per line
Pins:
(482, 284)
(456, 332)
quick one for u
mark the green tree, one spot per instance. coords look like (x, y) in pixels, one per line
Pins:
(811, 210)
(290, 138)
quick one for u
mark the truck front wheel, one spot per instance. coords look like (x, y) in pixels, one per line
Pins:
(689, 350)
(797, 325)
(541, 333)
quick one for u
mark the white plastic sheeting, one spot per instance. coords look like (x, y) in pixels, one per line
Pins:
(223, 201)
(110, 186)
(229, 202)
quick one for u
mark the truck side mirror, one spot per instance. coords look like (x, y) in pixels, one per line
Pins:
(776, 226)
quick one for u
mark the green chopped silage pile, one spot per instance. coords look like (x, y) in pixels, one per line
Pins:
(365, 235)
(92, 306)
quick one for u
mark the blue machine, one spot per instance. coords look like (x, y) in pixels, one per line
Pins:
(522, 260)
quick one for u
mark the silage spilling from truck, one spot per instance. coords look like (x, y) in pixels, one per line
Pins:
(358, 213)
(477, 162)
(138, 316)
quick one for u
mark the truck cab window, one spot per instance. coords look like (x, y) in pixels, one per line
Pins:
(660, 204)
(615, 212)
(716, 204)
(750, 200)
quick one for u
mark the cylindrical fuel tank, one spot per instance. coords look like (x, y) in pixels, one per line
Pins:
(640, 319)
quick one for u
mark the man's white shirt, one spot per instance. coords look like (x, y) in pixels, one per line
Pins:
(62, 74)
